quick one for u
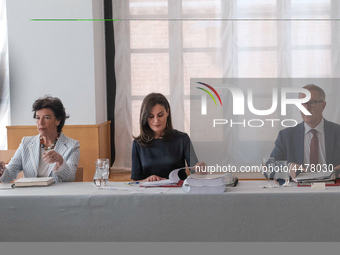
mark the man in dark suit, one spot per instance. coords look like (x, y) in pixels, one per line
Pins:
(294, 144)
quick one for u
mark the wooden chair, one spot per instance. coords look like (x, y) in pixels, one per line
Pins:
(79, 174)
(6, 155)
(120, 174)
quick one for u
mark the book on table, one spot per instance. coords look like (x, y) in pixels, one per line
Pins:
(305, 179)
(202, 189)
(200, 183)
(173, 181)
(210, 180)
(208, 183)
(38, 181)
(315, 175)
(335, 182)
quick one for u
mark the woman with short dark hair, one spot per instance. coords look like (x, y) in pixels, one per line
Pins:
(159, 148)
(50, 153)
(55, 105)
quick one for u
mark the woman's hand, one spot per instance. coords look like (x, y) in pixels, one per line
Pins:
(2, 167)
(153, 178)
(200, 168)
(53, 157)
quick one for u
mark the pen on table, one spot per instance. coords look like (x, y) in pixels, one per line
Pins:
(130, 183)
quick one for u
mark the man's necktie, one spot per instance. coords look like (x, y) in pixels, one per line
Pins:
(314, 148)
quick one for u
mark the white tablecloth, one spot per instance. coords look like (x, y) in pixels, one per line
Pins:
(81, 212)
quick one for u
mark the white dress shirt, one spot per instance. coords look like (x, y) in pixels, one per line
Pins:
(43, 169)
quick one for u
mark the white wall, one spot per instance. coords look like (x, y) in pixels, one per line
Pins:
(63, 58)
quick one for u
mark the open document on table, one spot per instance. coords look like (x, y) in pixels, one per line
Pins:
(307, 178)
(173, 181)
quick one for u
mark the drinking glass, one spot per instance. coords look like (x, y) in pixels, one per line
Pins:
(268, 165)
(97, 178)
(102, 168)
(281, 177)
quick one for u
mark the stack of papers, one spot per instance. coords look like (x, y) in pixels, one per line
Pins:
(208, 181)
(206, 184)
(196, 183)
(310, 177)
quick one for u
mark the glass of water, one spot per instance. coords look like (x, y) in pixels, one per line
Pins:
(268, 165)
(281, 177)
(102, 173)
(97, 178)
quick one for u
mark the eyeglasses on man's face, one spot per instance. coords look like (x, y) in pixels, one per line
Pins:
(312, 103)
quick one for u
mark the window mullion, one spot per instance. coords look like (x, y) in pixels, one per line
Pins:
(176, 62)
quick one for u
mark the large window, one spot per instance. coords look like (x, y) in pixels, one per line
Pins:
(161, 44)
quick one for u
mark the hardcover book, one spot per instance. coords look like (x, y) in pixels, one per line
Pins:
(39, 181)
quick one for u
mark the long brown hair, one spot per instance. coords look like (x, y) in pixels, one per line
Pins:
(146, 133)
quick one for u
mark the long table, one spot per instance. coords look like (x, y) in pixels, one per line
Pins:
(247, 213)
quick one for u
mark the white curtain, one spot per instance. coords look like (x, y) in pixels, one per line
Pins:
(160, 45)
(4, 78)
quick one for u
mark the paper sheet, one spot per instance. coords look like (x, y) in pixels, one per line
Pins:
(6, 186)
(150, 191)
(159, 183)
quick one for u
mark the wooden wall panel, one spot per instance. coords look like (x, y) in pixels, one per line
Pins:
(6, 155)
(94, 142)
(104, 141)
